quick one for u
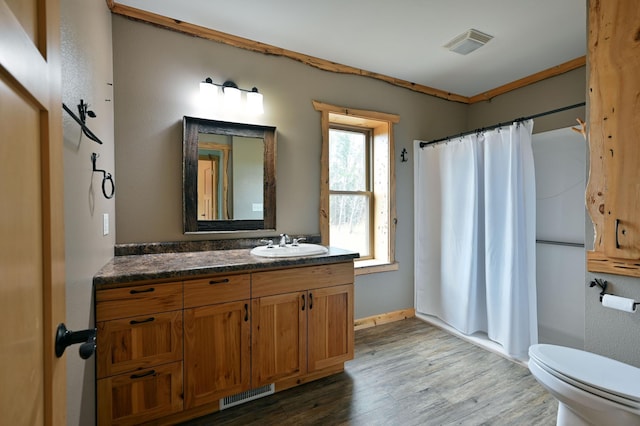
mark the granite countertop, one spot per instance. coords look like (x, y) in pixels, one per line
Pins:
(127, 269)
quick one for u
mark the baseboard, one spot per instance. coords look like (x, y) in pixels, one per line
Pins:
(388, 317)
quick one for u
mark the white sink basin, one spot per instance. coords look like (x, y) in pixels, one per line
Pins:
(300, 250)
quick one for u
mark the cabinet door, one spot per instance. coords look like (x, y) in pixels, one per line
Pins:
(279, 330)
(138, 397)
(613, 191)
(217, 352)
(330, 317)
(138, 342)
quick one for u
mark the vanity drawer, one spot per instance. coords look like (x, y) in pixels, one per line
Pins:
(139, 300)
(214, 290)
(141, 396)
(301, 279)
(138, 342)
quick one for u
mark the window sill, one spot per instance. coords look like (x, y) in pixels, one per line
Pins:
(373, 266)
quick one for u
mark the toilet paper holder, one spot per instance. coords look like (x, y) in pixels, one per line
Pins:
(603, 285)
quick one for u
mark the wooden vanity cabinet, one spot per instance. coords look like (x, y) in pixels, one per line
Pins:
(139, 353)
(217, 338)
(169, 352)
(300, 332)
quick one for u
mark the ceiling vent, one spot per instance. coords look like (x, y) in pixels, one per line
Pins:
(468, 41)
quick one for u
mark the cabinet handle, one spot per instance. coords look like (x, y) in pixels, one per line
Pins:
(135, 322)
(222, 281)
(310, 301)
(246, 312)
(139, 376)
(147, 290)
(303, 302)
(617, 224)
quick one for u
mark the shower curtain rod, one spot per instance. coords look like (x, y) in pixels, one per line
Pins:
(495, 126)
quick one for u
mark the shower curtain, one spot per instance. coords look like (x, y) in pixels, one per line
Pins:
(475, 235)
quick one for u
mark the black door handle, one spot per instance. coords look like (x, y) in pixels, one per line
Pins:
(65, 337)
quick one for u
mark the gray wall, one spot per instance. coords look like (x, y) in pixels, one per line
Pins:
(155, 87)
(609, 332)
(86, 72)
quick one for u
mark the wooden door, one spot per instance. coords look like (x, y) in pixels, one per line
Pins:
(279, 337)
(216, 352)
(32, 301)
(330, 319)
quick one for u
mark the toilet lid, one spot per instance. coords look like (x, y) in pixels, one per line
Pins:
(592, 370)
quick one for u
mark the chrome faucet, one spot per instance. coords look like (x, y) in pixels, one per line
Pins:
(297, 240)
(284, 239)
(269, 243)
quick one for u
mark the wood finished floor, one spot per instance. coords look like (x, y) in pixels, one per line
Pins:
(406, 373)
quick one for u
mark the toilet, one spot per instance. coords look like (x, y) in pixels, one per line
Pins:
(591, 389)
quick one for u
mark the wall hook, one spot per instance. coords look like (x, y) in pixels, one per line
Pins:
(403, 155)
(106, 177)
(84, 111)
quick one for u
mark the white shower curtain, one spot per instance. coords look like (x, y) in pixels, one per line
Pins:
(475, 235)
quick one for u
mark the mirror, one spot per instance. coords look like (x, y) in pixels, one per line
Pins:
(229, 176)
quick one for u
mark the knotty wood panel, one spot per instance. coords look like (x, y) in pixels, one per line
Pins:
(613, 190)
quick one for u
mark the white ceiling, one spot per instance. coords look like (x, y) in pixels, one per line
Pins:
(403, 38)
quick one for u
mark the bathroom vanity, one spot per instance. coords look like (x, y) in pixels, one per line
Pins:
(179, 334)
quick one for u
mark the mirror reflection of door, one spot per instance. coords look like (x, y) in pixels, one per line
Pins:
(213, 181)
(208, 167)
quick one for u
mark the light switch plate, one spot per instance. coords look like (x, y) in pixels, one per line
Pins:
(105, 224)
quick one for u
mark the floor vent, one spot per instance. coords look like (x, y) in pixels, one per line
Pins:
(250, 395)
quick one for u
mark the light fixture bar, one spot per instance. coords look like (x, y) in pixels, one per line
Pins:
(232, 96)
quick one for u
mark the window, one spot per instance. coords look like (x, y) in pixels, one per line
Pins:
(350, 196)
(357, 194)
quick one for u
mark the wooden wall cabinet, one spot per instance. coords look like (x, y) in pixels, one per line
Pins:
(223, 335)
(613, 191)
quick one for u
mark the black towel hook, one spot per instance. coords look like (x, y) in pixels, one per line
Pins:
(84, 111)
(105, 177)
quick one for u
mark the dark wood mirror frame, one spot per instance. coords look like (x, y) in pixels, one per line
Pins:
(191, 128)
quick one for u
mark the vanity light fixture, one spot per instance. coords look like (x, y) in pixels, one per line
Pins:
(231, 96)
